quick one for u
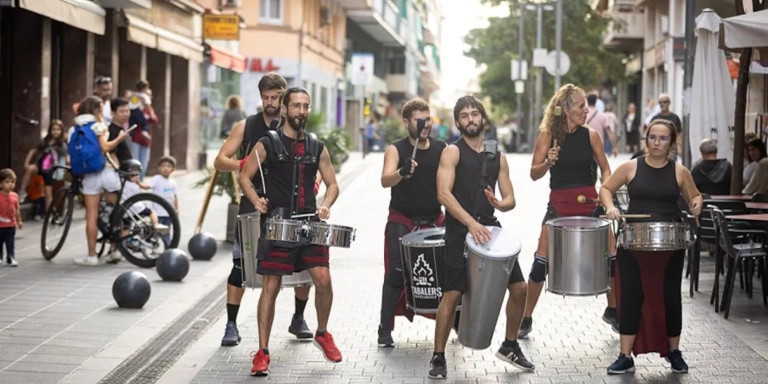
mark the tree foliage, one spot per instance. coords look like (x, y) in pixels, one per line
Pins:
(496, 45)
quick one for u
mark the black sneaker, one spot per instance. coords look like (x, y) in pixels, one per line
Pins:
(385, 338)
(525, 328)
(611, 317)
(624, 364)
(437, 368)
(675, 359)
(514, 355)
(299, 328)
(231, 335)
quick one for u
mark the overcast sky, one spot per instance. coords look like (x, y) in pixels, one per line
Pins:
(459, 17)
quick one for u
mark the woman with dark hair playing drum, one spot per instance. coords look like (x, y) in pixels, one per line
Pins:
(570, 151)
(650, 272)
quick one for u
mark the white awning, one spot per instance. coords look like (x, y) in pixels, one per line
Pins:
(82, 14)
(148, 35)
(746, 31)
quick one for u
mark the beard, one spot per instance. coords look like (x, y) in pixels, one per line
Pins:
(271, 111)
(414, 132)
(477, 132)
(297, 122)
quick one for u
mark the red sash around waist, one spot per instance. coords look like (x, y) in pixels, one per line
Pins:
(565, 202)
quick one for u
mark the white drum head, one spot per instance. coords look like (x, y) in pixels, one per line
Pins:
(579, 223)
(502, 245)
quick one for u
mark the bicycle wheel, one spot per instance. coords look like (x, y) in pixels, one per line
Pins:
(137, 238)
(56, 225)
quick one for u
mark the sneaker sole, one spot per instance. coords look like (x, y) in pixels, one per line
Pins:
(629, 370)
(437, 377)
(260, 373)
(386, 345)
(301, 335)
(323, 352)
(514, 364)
(230, 343)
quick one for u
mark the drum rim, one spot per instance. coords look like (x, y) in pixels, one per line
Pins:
(605, 224)
(330, 226)
(476, 248)
(416, 238)
(273, 220)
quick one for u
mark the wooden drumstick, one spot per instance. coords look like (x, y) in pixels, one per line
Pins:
(583, 199)
(206, 200)
(631, 216)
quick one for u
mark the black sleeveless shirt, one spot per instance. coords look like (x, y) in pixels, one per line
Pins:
(417, 196)
(576, 165)
(290, 180)
(255, 128)
(470, 182)
(654, 191)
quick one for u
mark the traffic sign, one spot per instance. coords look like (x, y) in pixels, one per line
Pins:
(565, 63)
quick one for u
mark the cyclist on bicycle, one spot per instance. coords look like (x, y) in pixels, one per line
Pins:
(132, 187)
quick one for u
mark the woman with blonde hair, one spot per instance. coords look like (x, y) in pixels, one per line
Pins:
(233, 114)
(570, 151)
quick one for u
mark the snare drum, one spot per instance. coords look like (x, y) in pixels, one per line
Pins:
(655, 236)
(286, 230)
(330, 235)
(423, 256)
(577, 253)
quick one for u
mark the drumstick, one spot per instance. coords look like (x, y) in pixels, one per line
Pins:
(631, 216)
(302, 215)
(583, 199)
(206, 200)
(419, 127)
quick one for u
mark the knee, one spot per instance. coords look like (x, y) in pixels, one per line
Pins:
(271, 285)
(322, 280)
(236, 276)
(518, 291)
(538, 270)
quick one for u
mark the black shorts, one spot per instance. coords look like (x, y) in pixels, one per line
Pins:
(456, 277)
(47, 178)
(284, 261)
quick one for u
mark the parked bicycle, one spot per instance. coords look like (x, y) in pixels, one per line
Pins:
(121, 225)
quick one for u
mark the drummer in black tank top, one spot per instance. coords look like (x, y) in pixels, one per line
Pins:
(648, 283)
(413, 205)
(571, 152)
(466, 182)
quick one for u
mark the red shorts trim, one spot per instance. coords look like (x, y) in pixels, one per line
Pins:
(285, 261)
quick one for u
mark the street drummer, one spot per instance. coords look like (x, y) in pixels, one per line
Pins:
(244, 135)
(413, 205)
(571, 152)
(466, 184)
(290, 159)
(648, 283)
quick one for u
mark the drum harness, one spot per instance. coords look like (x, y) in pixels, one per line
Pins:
(490, 153)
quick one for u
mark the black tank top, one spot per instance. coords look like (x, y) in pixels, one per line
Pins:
(470, 182)
(654, 191)
(289, 180)
(255, 128)
(417, 196)
(576, 165)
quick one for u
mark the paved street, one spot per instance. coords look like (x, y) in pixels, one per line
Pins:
(58, 322)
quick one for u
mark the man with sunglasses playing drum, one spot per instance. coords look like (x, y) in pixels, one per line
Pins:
(466, 181)
(290, 159)
(413, 205)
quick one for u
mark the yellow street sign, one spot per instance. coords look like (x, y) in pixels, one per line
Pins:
(221, 27)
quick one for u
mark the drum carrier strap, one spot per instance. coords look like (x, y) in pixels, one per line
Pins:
(490, 153)
(312, 146)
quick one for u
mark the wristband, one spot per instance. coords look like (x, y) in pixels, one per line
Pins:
(400, 172)
(317, 187)
(242, 162)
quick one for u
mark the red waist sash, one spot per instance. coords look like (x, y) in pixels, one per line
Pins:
(565, 202)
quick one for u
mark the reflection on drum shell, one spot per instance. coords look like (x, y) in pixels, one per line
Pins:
(655, 236)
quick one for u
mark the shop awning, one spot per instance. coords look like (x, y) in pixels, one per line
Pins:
(746, 31)
(81, 14)
(226, 59)
(148, 35)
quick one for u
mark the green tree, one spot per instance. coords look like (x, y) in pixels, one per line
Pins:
(496, 45)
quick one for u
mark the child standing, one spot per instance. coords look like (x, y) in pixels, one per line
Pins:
(10, 214)
(163, 186)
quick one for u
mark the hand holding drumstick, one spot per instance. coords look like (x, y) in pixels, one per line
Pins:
(552, 155)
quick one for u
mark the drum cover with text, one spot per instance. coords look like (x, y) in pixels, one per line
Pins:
(423, 254)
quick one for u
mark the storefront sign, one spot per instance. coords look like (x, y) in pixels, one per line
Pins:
(221, 27)
(259, 65)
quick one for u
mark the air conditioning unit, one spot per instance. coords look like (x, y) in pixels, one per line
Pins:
(231, 3)
(325, 16)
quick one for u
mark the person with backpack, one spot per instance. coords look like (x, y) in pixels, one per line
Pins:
(42, 159)
(88, 145)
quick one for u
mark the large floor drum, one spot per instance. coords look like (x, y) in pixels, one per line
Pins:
(578, 256)
(423, 255)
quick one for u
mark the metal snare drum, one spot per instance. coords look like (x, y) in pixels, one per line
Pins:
(286, 230)
(330, 235)
(655, 236)
(423, 256)
(577, 253)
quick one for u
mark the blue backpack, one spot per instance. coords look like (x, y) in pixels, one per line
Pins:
(84, 150)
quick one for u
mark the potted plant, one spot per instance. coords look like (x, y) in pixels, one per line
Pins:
(224, 183)
(337, 140)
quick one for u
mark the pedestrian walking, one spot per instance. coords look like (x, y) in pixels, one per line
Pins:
(144, 116)
(232, 115)
(10, 215)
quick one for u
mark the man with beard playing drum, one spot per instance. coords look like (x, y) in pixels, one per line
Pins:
(413, 205)
(291, 158)
(570, 151)
(244, 135)
(466, 182)
(650, 306)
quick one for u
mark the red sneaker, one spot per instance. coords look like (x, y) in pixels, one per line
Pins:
(326, 344)
(260, 364)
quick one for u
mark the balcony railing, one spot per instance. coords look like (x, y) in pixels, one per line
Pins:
(625, 26)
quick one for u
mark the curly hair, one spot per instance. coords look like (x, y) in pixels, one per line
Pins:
(414, 105)
(557, 123)
(468, 101)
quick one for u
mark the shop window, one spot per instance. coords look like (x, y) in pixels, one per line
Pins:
(271, 12)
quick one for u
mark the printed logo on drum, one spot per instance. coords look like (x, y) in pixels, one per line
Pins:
(424, 285)
(248, 246)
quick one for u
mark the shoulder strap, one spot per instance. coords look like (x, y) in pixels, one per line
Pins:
(315, 147)
(249, 136)
(278, 153)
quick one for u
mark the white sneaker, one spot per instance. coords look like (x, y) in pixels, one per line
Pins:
(88, 260)
(162, 229)
(114, 257)
(12, 262)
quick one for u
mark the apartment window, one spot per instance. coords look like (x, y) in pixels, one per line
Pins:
(271, 12)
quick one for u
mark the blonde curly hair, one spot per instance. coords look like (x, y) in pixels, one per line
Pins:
(555, 120)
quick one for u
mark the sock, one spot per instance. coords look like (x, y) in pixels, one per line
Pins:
(439, 355)
(232, 310)
(300, 305)
(508, 343)
(266, 351)
(320, 332)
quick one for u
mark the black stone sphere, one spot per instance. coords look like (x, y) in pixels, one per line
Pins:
(131, 290)
(202, 246)
(173, 265)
